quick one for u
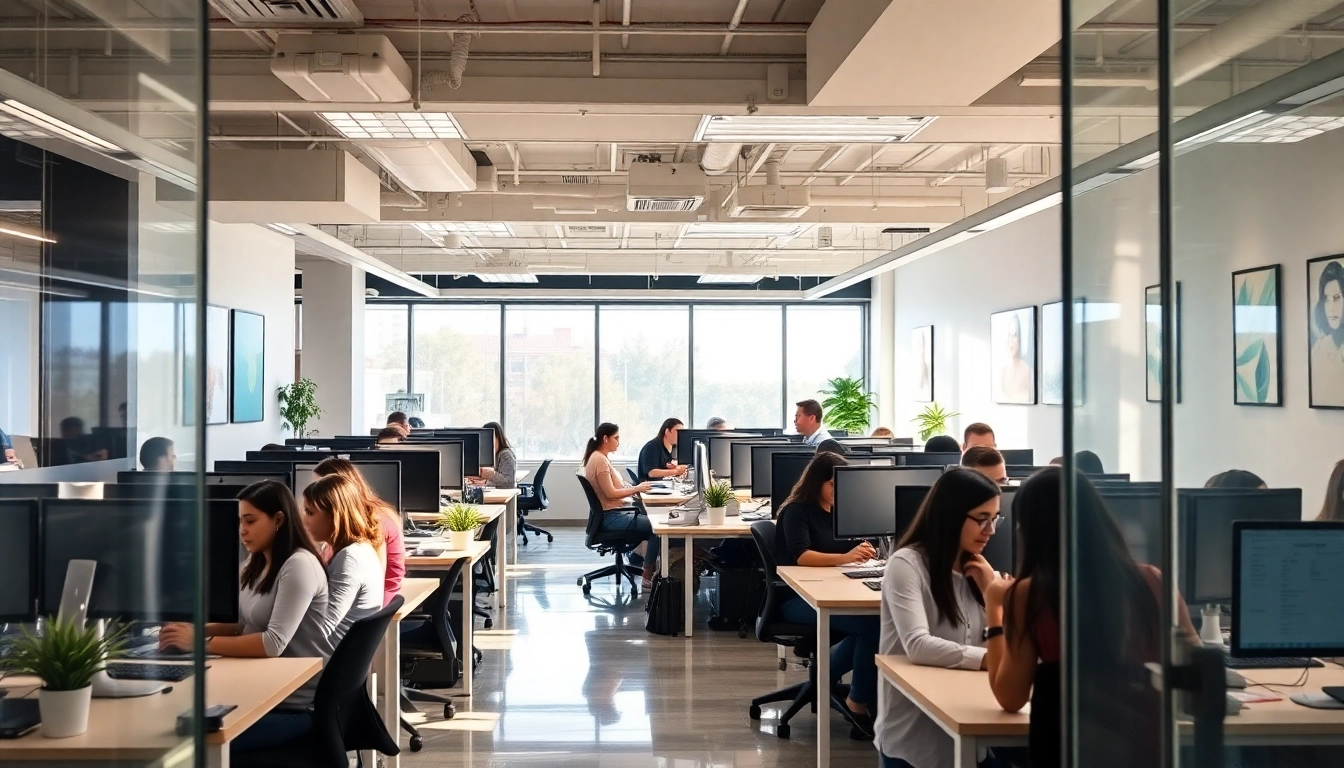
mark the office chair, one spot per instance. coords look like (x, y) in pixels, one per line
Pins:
(771, 628)
(634, 477)
(485, 579)
(621, 543)
(431, 657)
(344, 717)
(532, 498)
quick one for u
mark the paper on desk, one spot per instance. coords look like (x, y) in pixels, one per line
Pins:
(1246, 697)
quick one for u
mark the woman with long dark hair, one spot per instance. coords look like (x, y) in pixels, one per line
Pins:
(1333, 508)
(334, 513)
(392, 548)
(610, 488)
(804, 535)
(1116, 637)
(504, 474)
(657, 459)
(933, 606)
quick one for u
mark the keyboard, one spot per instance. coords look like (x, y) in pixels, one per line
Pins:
(874, 585)
(867, 573)
(168, 673)
(1289, 662)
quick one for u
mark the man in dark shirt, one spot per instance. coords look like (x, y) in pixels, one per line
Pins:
(655, 458)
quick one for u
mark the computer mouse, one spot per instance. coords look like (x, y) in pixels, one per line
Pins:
(1234, 679)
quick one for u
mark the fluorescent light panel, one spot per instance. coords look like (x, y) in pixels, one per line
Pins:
(394, 125)
(476, 228)
(25, 233)
(727, 278)
(1285, 129)
(729, 230)
(809, 128)
(505, 277)
(20, 121)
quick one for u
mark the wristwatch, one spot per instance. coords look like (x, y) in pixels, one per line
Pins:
(992, 632)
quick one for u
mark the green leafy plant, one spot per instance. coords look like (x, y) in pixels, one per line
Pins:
(718, 494)
(65, 656)
(459, 517)
(933, 421)
(298, 406)
(848, 405)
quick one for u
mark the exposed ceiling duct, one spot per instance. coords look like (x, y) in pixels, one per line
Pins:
(718, 159)
(1252, 27)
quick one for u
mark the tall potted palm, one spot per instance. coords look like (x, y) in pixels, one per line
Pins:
(298, 406)
(848, 405)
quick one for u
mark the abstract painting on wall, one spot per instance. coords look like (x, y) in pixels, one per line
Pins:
(216, 364)
(249, 367)
(1325, 328)
(1257, 330)
(921, 361)
(1013, 357)
(1152, 330)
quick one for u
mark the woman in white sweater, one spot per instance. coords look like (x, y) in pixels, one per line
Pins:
(333, 512)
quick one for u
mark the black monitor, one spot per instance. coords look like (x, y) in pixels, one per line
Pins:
(1018, 456)
(720, 449)
(864, 506)
(30, 490)
(785, 470)
(851, 442)
(761, 466)
(285, 468)
(456, 461)
(918, 459)
(18, 560)
(1205, 523)
(909, 498)
(1022, 471)
(762, 431)
(176, 491)
(686, 438)
(483, 444)
(419, 471)
(384, 477)
(870, 460)
(741, 458)
(146, 555)
(1000, 551)
(246, 478)
(1137, 510)
(1286, 599)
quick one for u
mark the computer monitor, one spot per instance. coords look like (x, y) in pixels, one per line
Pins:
(869, 460)
(1018, 456)
(741, 458)
(909, 498)
(785, 470)
(384, 477)
(865, 442)
(1022, 471)
(146, 554)
(762, 431)
(721, 453)
(864, 506)
(1000, 550)
(30, 490)
(1205, 518)
(1286, 599)
(246, 478)
(1137, 510)
(419, 471)
(452, 459)
(285, 468)
(762, 466)
(18, 560)
(484, 444)
(174, 491)
(686, 441)
(925, 476)
(925, 459)
(703, 476)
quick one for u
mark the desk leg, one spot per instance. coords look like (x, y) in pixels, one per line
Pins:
(217, 755)
(506, 546)
(665, 555)
(963, 752)
(468, 620)
(824, 688)
(688, 558)
(392, 686)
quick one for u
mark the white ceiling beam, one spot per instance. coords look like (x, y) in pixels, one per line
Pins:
(431, 26)
(314, 241)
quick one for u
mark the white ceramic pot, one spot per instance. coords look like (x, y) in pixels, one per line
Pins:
(717, 515)
(459, 540)
(64, 713)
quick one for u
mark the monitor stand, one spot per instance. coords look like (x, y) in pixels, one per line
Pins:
(1210, 625)
(75, 607)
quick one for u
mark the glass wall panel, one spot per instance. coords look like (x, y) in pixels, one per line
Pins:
(824, 343)
(643, 358)
(548, 380)
(738, 369)
(386, 335)
(457, 364)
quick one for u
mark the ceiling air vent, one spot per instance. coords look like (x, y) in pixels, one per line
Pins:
(587, 230)
(291, 13)
(665, 187)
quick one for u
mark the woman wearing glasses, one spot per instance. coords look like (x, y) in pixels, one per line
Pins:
(933, 607)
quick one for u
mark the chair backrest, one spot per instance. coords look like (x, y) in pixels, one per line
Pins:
(344, 719)
(634, 477)
(538, 484)
(595, 511)
(776, 591)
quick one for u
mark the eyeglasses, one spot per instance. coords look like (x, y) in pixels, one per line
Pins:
(989, 524)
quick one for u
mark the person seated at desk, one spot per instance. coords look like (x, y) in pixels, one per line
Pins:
(717, 422)
(1236, 478)
(942, 444)
(988, 462)
(804, 535)
(807, 420)
(883, 432)
(1333, 508)
(333, 512)
(390, 436)
(1086, 462)
(612, 491)
(978, 434)
(282, 600)
(158, 455)
(655, 458)
(397, 420)
(78, 444)
(932, 607)
(392, 551)
(1116, 637)
(505, 472)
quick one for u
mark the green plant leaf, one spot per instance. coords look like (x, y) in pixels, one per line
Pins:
(1262, 375)
(848, 405)
(1251, 352)
(1244, 293)
(1244, 389)
(65, 656)
(1269, 297)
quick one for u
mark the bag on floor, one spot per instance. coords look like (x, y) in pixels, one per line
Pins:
(665, 607)
(737, 602)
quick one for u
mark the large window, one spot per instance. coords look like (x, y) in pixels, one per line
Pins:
(824, 343)
(643, 368)
(548, 375)
(385, 349)
(738, 365)
(457, 364)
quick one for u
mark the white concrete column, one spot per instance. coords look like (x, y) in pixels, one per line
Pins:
(882, 354)
(333, 343)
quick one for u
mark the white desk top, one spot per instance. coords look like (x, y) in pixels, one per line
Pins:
(830, 588)
(732, 527)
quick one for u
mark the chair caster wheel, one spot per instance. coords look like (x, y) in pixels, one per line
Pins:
(549, 538)
(490, 623)
(782, 731)
(783, 665)
(754, 713)
(417, 743)
(449, 711)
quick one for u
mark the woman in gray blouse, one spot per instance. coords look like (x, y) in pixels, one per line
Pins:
(282, 602)
(505, 472)
(335, 515)
(933, 608)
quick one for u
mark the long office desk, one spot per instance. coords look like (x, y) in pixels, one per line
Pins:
(143, 728)
(830, 593)
(444, 563)
(962, 704)
(676, 499)
(508, 542)
(490, 512)
(414, 592)
(733, 527)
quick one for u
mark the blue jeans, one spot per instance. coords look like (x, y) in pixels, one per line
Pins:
(274, 731)
(856, 653)
(619, 521)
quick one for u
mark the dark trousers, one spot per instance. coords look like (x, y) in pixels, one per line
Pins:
(856, 653)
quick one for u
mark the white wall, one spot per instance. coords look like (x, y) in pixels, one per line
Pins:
(1237, 206)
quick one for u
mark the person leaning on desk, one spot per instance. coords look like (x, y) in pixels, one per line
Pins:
(655, 458)
(392, 548)
(505, 472)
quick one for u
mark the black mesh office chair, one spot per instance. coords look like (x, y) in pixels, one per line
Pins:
(620, 543)
(532, 498)
(634, 476)
(771, 628)
(344, 717)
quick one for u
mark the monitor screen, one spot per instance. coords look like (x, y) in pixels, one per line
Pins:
(916, 459)
(18, 560)
(1205, 523)
(741, 459)
(702, 468)
(30, 490)
(999, 551)
(452, 459)
(1286, 599)
(1019, 456)
(861, 460)
(864, 506)
(762, 465)
(785, 470)
(686, 439)
(419, 471)
(1022, 471)
(230, 478)
(480, 439)
(384, 477)
(909, 498)
(285, 468)
(1137, 510)
(721, 452)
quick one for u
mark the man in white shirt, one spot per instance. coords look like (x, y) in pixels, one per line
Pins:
(807, 420)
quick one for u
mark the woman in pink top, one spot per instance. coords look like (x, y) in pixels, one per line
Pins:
(393, 550)
(611, 490)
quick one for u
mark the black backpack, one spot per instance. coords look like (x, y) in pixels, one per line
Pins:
(666, 608)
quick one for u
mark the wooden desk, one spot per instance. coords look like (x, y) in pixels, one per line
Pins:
(490, 512)
(830, 593)
(675, 499)
(733, 527)
(143, 728)
(444, 563)
(414, 592)
(508, 541)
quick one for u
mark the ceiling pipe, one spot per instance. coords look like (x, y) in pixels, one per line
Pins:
(184, 25)
(832, 200)
(719, 158)
(597, 38)
(1252, 27)
(625, 22)
(733, 25)
(576, 205)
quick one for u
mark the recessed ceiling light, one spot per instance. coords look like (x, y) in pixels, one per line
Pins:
(722, 278)
(505, 277)
(741, 230)
(476, 228)
(809, 128)
(394, 125)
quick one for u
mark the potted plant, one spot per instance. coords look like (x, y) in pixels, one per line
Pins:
(717, 496)
(65, 657)
(298, 406)
(933, 421)
(461, 522)
(848, 405)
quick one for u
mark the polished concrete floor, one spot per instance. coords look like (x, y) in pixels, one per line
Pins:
(569, 680)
